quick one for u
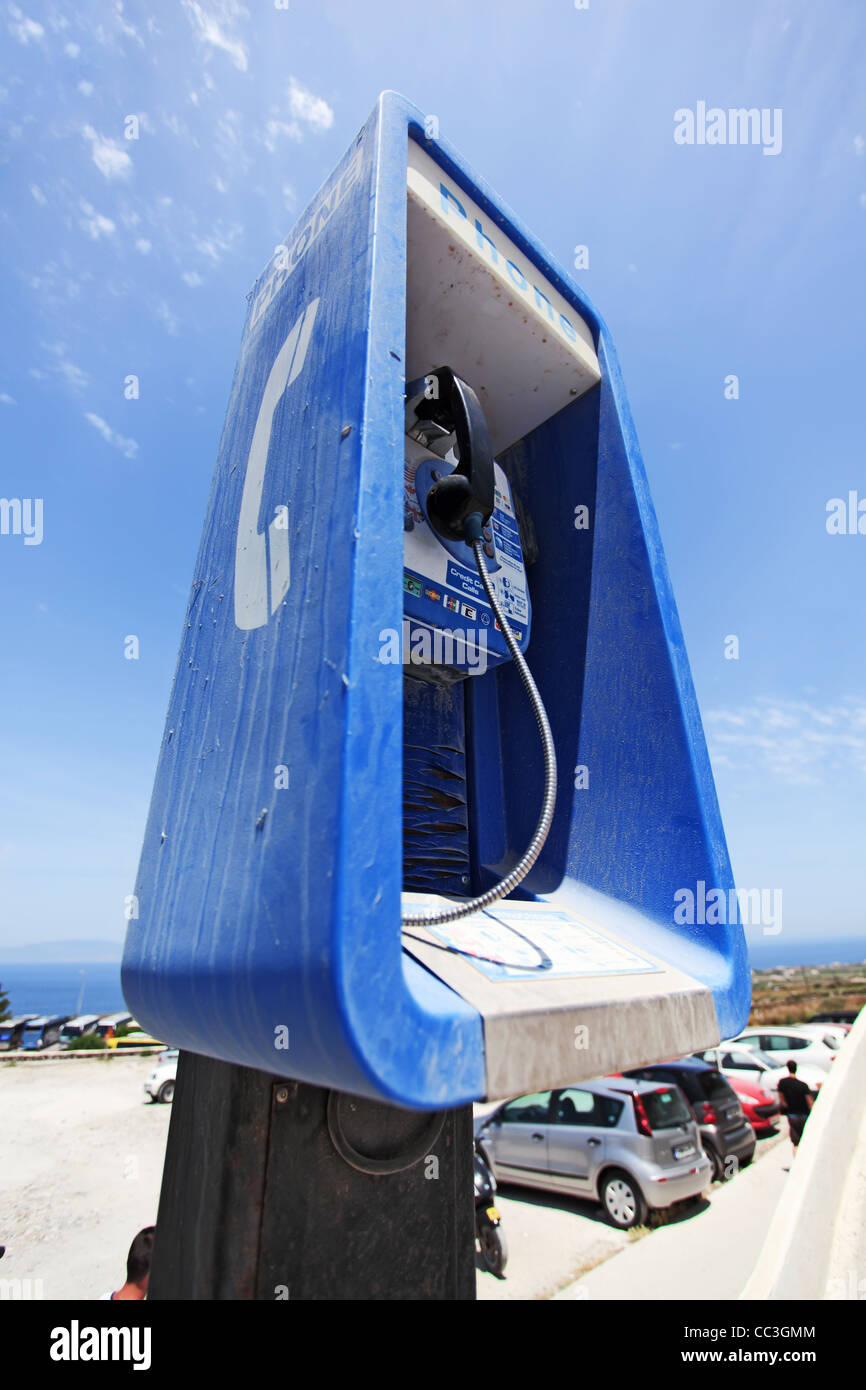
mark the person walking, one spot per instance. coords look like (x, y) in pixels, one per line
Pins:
(797, 1100)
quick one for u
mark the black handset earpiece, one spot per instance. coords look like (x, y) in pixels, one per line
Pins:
(458, 505)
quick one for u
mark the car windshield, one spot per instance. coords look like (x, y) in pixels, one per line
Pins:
(764, 1057)
(714, 1086)
(664, 1109)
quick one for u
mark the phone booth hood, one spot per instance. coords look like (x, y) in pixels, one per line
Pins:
(266, 924)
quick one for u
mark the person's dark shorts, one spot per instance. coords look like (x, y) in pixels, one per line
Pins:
(795, 1128)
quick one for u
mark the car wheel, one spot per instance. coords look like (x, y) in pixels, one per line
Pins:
(717, 1172)
(622, 1200)
(165, 1094)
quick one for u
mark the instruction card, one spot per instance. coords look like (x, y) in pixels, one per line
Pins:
(533, 941)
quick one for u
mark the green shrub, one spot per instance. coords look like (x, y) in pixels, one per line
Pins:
(88, 1042)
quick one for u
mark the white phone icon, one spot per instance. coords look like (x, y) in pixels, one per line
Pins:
(254, 548)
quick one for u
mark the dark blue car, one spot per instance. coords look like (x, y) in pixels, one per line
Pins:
(727, 1137)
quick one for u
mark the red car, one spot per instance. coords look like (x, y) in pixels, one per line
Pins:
(759, 1108)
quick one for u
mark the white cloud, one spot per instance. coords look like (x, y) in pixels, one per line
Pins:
(143, 245)
(85, 88)
(123, 26)
(220, 240)
(22, 28)
(113, 27)
(304, 111)
(71, 50)
(859, 144)
(110, 158)
(6, 399)
(128, 447)
(312, 110)
(168, 318)
(192, 278)
(75, 377)
(792, 740)
(37, 193)
(56, 286)
(209, 30)
(72, 375)
(274, 128)
(231, 144)
(94, 223)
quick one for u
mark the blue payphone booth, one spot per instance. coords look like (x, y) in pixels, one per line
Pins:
(429, 478)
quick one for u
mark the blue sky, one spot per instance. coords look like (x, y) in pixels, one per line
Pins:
(133, 256)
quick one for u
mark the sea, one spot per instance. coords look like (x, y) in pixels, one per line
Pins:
(95, 988)
(63, 989)
(767, 952)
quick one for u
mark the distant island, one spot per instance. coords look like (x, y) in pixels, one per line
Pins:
(72, 952)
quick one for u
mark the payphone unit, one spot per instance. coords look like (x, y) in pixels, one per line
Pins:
(433, 771)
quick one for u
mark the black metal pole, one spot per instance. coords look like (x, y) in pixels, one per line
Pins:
(276, 1190)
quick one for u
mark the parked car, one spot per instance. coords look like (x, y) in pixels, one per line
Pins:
(789, 1044)
(11, 1030)
(833, 1034)
(749, 1064)
(725, 1131)
(42, 1032)
(77, 1027)
(159, 1084)
(109, 1023)
(847, 1017)
(760, 1109)
(630, 1145)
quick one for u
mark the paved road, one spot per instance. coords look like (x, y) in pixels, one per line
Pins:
(704, 1251)
(708, 1258)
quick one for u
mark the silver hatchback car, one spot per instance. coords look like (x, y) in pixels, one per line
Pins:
(630, 1145)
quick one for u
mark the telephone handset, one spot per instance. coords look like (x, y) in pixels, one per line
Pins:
(453, 497)
(456, 492)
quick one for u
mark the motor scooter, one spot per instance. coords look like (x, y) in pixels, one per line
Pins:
(488, 1222)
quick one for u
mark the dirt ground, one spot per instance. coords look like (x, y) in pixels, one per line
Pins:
(81, 1153)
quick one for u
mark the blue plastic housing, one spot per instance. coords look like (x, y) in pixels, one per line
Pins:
(269, 890)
